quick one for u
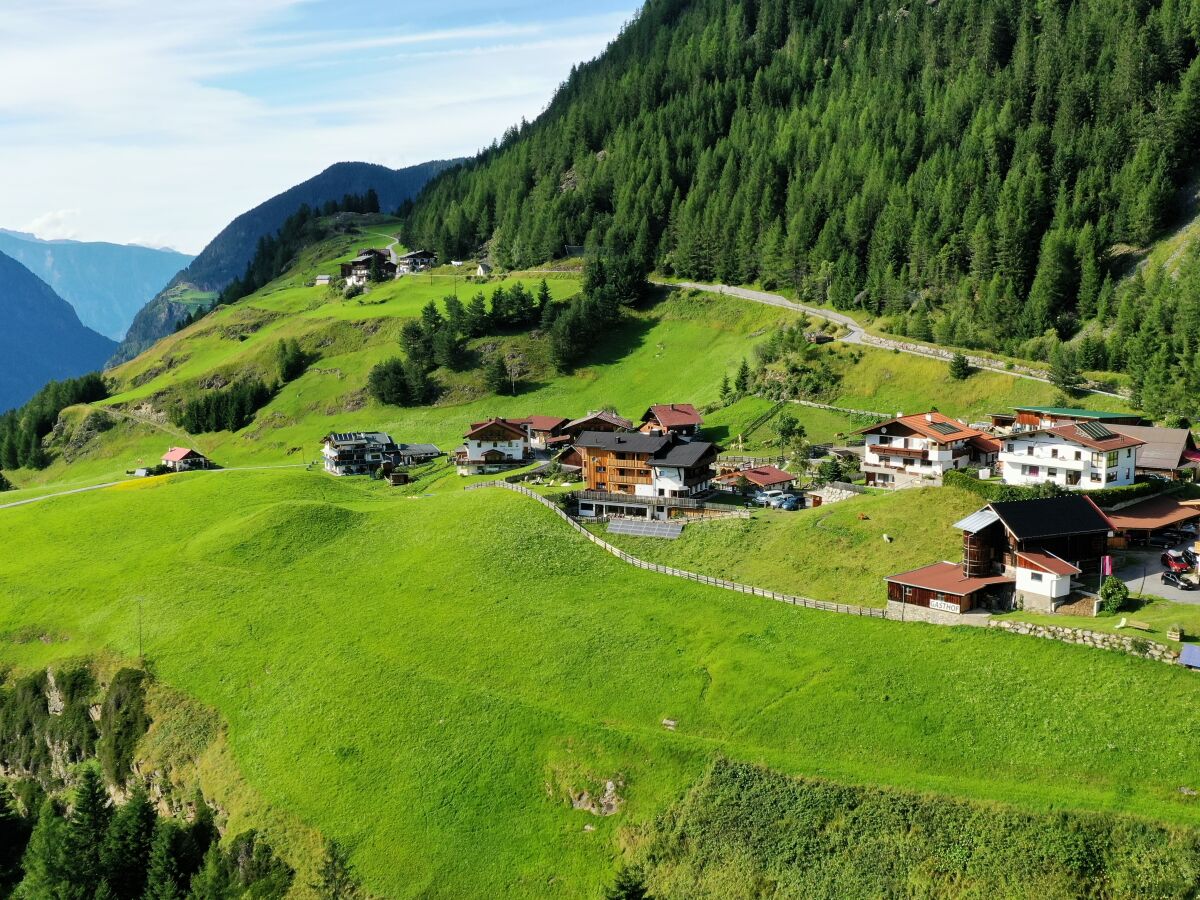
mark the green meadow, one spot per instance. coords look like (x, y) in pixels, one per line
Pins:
(431, 677)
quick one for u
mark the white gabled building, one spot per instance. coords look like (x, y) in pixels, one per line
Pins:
(910, 451)
(1084, 456)
(493, 446)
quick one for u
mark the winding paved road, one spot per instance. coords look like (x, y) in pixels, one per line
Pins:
(857, 334)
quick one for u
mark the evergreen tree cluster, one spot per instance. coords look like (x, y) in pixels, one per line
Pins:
(22, 430)
(228, 409)
(275, 253)
(978, 155)
(439, 339)
(610, 283)
(93, 851)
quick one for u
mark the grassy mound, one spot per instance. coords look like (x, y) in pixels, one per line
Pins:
(743, 832)
(279, 535)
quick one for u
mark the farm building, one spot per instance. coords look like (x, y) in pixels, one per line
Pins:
(1083, 456)
(1166, 452)
(1030, 418)
(643, 475)
(493, 446)
(679, 419)
(358, 270)
(1138, 521)
(944, 587)
(184, 459)
(601, 420)
(416, 261)
(543, 430)
(917, 450)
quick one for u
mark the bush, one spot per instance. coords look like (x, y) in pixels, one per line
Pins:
(123, 721)
(1113, 594)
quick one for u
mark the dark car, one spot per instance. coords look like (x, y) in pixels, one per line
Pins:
(1175, 564)
(1162, 540)
(1177, 581)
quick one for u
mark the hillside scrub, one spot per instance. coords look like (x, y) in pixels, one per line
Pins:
(22, 430)
(960, 167)
(741, 828)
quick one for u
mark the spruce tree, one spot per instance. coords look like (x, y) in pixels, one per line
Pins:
(47, 872)
(726, 391)
(212, 882)
(125, 854)
(741, 381)
(1064, 371)
(336, 879)
(87, 827)
(495, 375)
(163, 878)
(960, 368)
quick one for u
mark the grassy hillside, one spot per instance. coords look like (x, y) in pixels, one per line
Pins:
(441, 725)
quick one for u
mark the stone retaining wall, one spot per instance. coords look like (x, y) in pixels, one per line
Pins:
(1131, 644)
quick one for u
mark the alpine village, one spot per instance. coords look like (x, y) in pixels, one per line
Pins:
(770, 471)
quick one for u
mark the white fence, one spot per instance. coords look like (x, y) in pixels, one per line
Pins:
(808, 602)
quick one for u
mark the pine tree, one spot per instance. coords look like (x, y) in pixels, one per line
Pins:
(543, 297)
(741, 381)
(387, 383)
(630, 885)
(960, 368)
(1064, 371)
(212, 882)
(477, 319)
(495, 375)
(336, 879)
(125, 854)
(5, 484)
(163, 879)
(726, 392)
(46, 864)
(87, 827)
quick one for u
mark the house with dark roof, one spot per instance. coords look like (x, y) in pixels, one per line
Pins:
(493, 446)
(643, 475)
(679, 419)
(185, 459)
(1083, 456)
(416, 261)
(1166, 452)
(365, 452)
(1030, 418)
(1023, 553)
(597, 420)
(358, 270)
(917, 450)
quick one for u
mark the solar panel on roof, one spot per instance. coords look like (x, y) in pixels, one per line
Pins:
(944, 427)
(646, 528)
(1095, 430)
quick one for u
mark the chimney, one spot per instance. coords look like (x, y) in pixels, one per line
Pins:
(928, 417)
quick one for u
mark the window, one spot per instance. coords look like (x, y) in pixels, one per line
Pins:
(1054, 453)
(1009, 448)
(884, 440)
(1112, 459)
(908, 592)
(1035, 576)
(1052, 473)
(1078, 455)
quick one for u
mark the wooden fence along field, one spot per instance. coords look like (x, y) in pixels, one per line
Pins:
(808, 602)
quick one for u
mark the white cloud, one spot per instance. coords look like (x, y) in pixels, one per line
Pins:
(161, 121)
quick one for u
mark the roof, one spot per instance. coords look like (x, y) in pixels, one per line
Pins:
(1046, 562)
(178, 454)
(419, 254)
(933, 425)
(1052, 517)
(1072, 412)
(1086, 435)
(604, 416)
(673, 415)
(978, 521)
(661, 450)
(359, 437)
(542, 423)
(506, 424)
(763, 476)
(984, 443)
(1154, 512)
(946, 578)
(419, 449)
(1163, 448)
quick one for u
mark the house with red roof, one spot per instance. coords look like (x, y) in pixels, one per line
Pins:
(916, 451)
(679, 419)
(597, 420)
(543, 430)
(493, 446)
(1081, 456)
(184, 459)
(763, 478)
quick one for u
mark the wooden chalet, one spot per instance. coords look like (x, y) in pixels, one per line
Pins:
(544, 430)
(358, 270)
(599, 420)
(761, 478)
(1025, 418)
(643, 475)
(679, 419)
(945, 587)
(416, 261)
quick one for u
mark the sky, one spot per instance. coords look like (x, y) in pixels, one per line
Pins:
(152, 122)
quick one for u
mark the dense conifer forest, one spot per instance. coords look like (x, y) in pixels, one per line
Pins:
(963, 166)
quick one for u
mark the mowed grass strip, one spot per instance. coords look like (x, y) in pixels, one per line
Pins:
(431, 677)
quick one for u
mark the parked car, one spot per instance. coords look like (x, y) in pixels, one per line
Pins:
(1175, 564)
(789, 504)
(768, 498)
(1189, 556)
(1177, 581)
(781, 499)
(1162, 540)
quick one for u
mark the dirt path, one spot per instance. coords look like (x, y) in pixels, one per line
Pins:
(859, 335)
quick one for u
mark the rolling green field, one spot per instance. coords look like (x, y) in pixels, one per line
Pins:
(432, 676)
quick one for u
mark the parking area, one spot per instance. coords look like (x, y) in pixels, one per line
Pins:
(1142, 575)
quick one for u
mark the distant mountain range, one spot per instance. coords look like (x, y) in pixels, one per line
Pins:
(106, 283)
(227, 255)
(41, 337)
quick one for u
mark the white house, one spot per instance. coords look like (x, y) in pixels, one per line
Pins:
(493, 446)
(910, 451)
(1084, 456)
(1042, 580)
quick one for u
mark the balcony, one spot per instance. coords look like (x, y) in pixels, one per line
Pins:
(893, 450)
(633, 499)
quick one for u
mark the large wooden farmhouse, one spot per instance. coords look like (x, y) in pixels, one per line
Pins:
(679, 419)
(1023, 553)
(493, 446)
(358, 270)
(643, 475)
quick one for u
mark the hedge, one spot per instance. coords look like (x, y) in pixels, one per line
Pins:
(997, 490)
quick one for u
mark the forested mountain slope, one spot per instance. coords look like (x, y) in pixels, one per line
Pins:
(227, 255)
(977, 157)
(41, 337)
(106, 283)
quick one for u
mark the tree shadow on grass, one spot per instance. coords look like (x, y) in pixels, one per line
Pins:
(617, 342)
